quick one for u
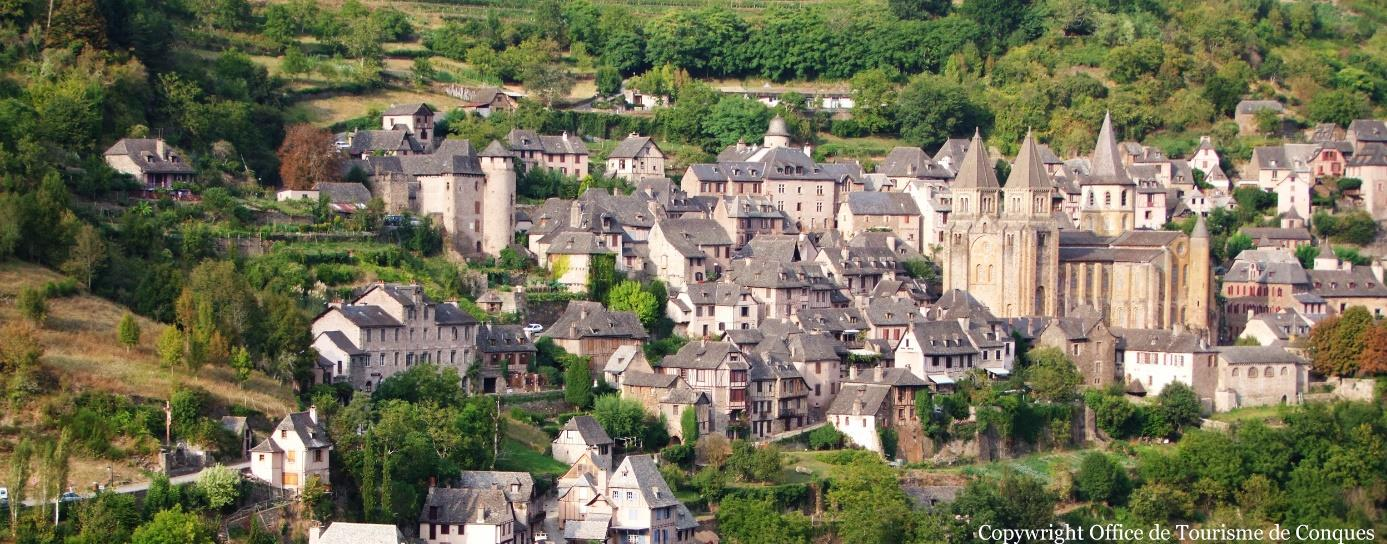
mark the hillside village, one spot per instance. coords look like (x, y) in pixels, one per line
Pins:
(675, 307)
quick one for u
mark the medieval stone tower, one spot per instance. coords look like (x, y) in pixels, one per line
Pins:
(498, 198)
(1003, 246)
(1107, 204)
(1199, 313)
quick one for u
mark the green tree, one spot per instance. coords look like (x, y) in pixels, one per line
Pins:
(1339, 106)
(608, 80)
(826, 438)
(75, 21)
(1016, 500)
(1100, 478)
(128, 331)
(688, 425)
(919, 9)
(1051, 375)
(873, 96)
(548, 82)
(33, 304)
(1158, 502)
(173, 527)
(930, 109)
(1178, 406)
(1306, 255)
(735, 118)
(620, 417)
(1236, 244)
(629, 296)
(751, 521)
(241, 364)
(867, 503)
(170, 347)
(86, 257)
(107, 517)
(577, 380)
(221, 486)
(601, 276)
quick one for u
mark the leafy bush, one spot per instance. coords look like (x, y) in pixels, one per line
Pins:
(826, 438)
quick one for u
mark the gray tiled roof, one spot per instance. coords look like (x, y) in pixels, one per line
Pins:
(832, 319)
(1161, 341)
(629, 147)
(706, 355)
(369, 141)
(657, 380)
(881, 203)
(588, 429)
(1277, 233)
(1254, 106)
(1240, 355)
(569, 241)
(417, 108)
(1356, 282)
(976, 169)
(1107, 168)
(859, 399)
(360, 533)
(493, 338)
(368, 316)
(340, 340)
(145, 153)
(465, 506)
(687, 236)
(344, 193)
(891, 311)
(641, 472)
(485, 479)
(584, 319)
(1372, 154)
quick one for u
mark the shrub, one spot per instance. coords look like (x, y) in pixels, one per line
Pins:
(1100, 478)
(826, 438)
(32, 304)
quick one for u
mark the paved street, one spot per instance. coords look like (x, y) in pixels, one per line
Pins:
(141, 486)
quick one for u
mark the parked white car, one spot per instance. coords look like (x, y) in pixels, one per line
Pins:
(533, 328)
(4, 495)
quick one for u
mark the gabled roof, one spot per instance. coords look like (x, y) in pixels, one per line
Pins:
(342, 532)
(1254, 106)
(584, 319)
(344, 193)
(705, 355)
(1358, 281)
(145, 153)
(976, 171)
(881, 203)
(409, 109)
(486, 479)
(1372, 154)
(494, 338)
(368, 316)
(630, 147)
(859, 400)
(570, 241)
(687, 236)
(1159, 341)
(461, 506)
(589, 430)
(1257, 355)
(640, 472)
(368, 141)
(301, 424)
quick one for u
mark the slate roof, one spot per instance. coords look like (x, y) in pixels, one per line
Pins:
(952, 151)
(1284, 324)
(1242, 355)
(494, 338)
(906, 162)
(770, 274)
(640, 472)
(743, 336)
(1107, 168)
(957, 303)
(622, 358)
(705, 355)
(687, 236)
(772, 247)
(1277, 233)
(1356, 282)
(1105, 255)
(408, 109)
(344, 193)
(484, 479)
(369, 141)
(1266, 266)
(976, 169)
(832, 319)
(460, 506)
(629, 147)
(368, 316)
(1372, 154)
(720, 293)
(894, 377)
(884, 312)
(871, 398)
(584, 319)
(563, 144)
(570, 241)
(589, 430)
(942, 338)
(750, 207)
(657, 380)
(342, 532)
(145, 154)
(1368, 130)
(1160, 341)
(340, 340)
(881, 203)
(309, 432)
(1029, 169)
(1145, 238)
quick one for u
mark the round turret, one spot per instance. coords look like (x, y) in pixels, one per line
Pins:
(778, 134)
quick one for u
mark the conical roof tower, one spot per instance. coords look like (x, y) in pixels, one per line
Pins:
(975, 171)
(1106, 161)
(1028, 172)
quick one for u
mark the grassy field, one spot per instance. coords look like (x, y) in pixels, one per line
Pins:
(518, 457)
(1255, 413)
(81, 353)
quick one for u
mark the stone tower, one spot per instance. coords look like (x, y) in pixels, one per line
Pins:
(1030, 238)
(498, 198)
(1107, 204)
(974, 240)
(778, 134)
(1198, 312)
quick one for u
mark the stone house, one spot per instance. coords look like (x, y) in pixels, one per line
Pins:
(668, 395)
(635, 158)
(705, 309)
(418, 119)
(390, 328)
(588, 329)
(1362, 132)
(1205, 157)
(1259, 376)
(1261, 281)
(366, 144)
(468, 516)
(1284, 329)
(644, 508)
(1086, 340)
(581, 434)
(1342, 285)
(151, 161)
(890, 317)
(482, 101)
(778, 397)
(750, 216)
(903, 165)
(1278, 237)
(584, 513)
(785, 288)
(1153, 359)
(688, 251)
(296, 450)
(933, 199)
(880, 399)
(1328, 161)
(1369, 164)
(506, 352)
(624, 360)
(942, 351)
(568, 254)
(565, 154)
(719, 370)
(874, 210)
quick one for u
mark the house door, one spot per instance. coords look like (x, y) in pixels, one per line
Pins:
(488, 385)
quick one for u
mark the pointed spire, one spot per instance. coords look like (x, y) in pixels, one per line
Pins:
(975, 171)
(1029, 170)
(1201, 229)
(1106, 160)
(495, 149)
(1325, 251)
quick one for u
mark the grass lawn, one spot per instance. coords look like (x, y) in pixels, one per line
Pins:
(516, 456)
(332, 109)
(1260, 413)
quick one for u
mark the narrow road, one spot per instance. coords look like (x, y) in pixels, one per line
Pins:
(142, 486)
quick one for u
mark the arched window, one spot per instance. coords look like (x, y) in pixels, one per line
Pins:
(1090, 198)
(1107, 198)
(1124, 197)
(1283, 371)
(977, 273)
(1235, 372)
(989, 273)
(1269, 372)
(1252, 372)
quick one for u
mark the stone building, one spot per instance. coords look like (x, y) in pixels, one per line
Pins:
(718, 369)
(1107, 194)
(296, 450)
(565, 154)
(1153, 359)
(1259, 376)
(636, 158)
(588, 329)
(389, 329)
(151, 161)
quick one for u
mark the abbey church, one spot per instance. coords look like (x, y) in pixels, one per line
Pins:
(1012, 248)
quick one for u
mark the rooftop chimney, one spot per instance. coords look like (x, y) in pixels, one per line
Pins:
(313, 413)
